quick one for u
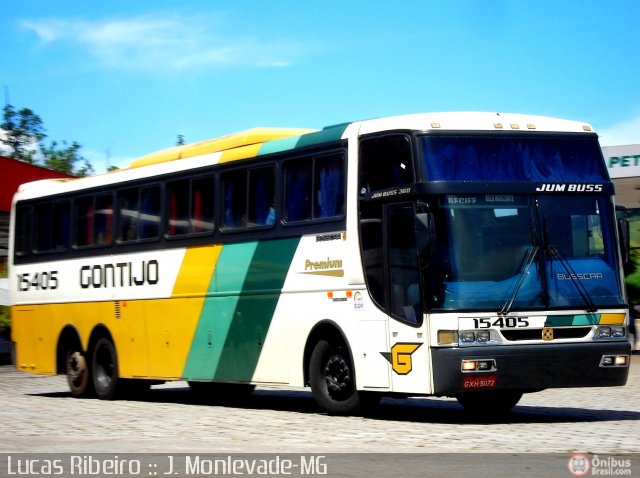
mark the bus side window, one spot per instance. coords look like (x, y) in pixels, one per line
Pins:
(385, 162)
(52, 226)
(128, 210)
(329, 186)
(178, 205)
(149, 213)
(314, 188)
(23, 231)
(201, 218)
(297, 190)
(261, 196)
(103, 219)
(234, 185)
(249, 197)
(190, 206)
(84, 217)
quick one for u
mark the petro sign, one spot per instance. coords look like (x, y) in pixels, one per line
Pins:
(622, 161)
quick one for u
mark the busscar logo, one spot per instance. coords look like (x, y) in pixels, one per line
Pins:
(400, 357)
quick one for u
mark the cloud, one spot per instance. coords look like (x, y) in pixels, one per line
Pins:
(165, 42)
(624, 132)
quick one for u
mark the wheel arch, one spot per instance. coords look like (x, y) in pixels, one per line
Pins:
(324, 330)
(69, 337)
(98, 332)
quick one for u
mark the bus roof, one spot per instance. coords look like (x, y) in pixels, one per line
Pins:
(262, 141)
(232, 141)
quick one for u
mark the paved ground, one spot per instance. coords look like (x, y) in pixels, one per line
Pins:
(37, 414)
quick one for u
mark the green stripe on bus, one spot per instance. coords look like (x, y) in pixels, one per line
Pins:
(236, 317)
(216, 316)
(327, 135)
(569, 320)
(279, 145)
(254, 311)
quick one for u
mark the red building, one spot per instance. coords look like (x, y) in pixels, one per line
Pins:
(13, 173)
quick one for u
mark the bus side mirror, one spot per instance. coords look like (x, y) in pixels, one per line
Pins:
(624, 236)
(425, 235)
(625, 243)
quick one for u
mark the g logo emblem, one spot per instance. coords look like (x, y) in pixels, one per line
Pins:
(547, 334)
(400, 357)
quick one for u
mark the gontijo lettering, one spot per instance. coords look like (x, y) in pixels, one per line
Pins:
(121, 274)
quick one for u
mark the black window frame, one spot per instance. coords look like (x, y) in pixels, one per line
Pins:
(75, 221)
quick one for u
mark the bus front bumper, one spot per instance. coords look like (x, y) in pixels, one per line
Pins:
(529, 367)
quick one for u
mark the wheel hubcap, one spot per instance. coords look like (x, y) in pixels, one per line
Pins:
(338, 376)
(76, 368)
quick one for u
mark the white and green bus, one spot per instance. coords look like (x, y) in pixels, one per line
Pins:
(470, 255)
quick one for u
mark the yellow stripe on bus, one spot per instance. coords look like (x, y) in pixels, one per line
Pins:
(196, 271)
(612, 319)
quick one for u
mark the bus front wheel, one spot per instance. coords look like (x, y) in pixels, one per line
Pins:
(105, 369)
(332, 379)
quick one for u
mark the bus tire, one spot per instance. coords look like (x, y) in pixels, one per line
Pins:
(332, 379)
(78, 373)
(489, 404)
(104, 365)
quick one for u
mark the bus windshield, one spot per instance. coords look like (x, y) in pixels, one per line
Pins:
(513, 252)
(552, 158)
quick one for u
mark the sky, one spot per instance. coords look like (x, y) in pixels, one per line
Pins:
(125, 78)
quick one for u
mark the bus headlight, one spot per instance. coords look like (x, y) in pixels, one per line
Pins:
(467, 336)
(477, 337)
(610, 332)
(483, 336)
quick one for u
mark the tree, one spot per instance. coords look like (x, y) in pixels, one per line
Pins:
(24, 136)
(64, 159)
(24, 132)
(180, 140)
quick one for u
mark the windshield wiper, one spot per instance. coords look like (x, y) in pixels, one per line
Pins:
(523, 270)
(582, 290)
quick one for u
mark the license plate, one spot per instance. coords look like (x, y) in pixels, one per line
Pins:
(488, 381)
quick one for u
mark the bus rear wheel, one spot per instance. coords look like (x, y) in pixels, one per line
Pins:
(104, 365)
(78, 373)
(332, 379)
(489, 404)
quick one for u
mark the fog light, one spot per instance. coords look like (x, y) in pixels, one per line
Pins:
(467, 336)
(484, 365)
(469, 365)
(621, 361)
(614, 361)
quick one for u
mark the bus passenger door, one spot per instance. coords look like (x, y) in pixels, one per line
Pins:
(408, 352)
